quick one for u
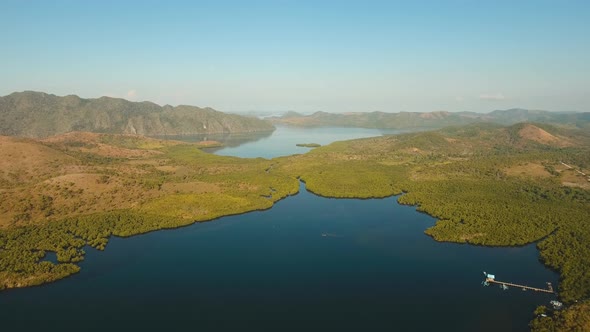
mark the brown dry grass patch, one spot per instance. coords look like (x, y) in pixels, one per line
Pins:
(529, 169)
(571, 178)
(195, 187)
(539, 135)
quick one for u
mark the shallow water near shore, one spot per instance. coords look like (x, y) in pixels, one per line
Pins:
(308, 263)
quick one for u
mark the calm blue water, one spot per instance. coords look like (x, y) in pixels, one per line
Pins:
(307, 264)
(283, 141)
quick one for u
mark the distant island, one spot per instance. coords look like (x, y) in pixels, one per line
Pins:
(37, 115)
(429, 120)
(308, 145)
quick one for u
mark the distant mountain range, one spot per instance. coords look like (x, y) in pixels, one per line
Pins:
(37, 114)
(430, 120)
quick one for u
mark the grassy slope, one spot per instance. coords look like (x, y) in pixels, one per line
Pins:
(486, 184)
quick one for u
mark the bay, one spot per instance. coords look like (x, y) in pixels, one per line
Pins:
(309, 263)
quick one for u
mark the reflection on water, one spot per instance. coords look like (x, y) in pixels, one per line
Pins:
(227, 139)
(283, 141)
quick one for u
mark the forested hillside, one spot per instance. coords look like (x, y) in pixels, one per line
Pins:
(431, 120)
(37, 114)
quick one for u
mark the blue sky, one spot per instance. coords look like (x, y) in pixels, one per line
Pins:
(334, 56)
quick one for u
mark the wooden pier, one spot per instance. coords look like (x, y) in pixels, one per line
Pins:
(524, 287)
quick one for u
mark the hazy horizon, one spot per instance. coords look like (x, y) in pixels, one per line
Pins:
(282, 111)
(331, 56)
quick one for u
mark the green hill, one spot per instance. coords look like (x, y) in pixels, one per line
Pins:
(37, 114)
(431, 120)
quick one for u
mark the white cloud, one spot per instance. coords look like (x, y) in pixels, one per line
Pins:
(492, 96)
(131, 94)
(459, 99)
